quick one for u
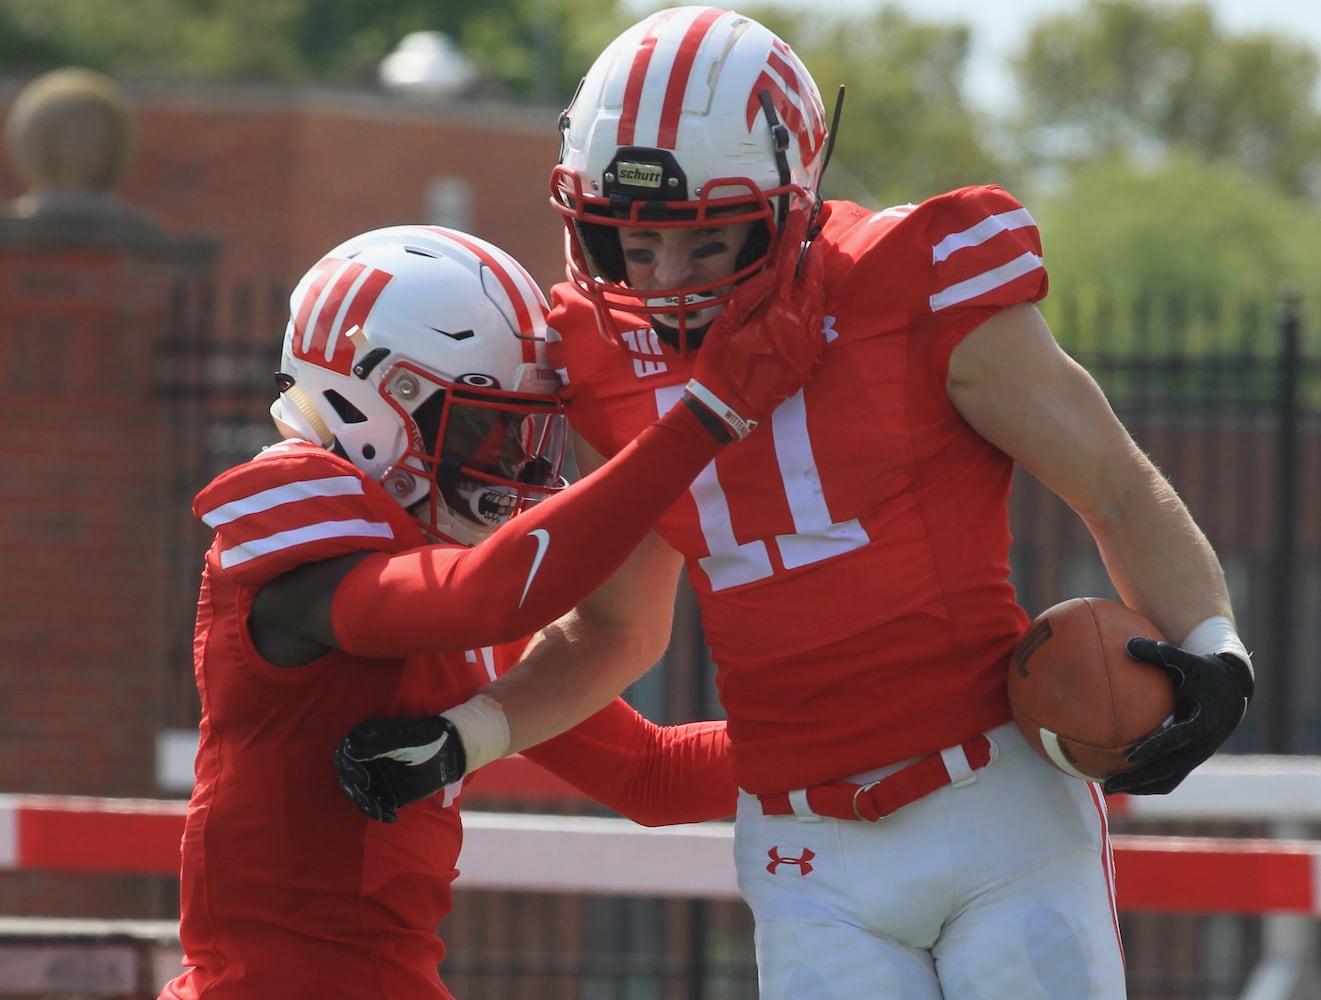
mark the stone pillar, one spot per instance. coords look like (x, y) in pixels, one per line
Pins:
(86, 286)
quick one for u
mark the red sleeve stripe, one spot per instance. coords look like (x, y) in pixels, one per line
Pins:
(988, 281)
(988, 228)
(256, 503)
(281, 541)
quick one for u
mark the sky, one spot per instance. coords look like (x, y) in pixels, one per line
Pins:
(998, 27)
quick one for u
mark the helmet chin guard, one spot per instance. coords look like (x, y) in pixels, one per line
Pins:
(695, 116)
(418, 353)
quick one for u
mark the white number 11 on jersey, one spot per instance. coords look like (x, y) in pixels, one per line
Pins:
(815, 536)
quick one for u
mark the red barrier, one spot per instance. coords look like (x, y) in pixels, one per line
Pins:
(95, 835)
(1156, 874)
(1217, 875)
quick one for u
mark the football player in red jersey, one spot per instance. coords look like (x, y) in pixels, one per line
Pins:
(346, 578)
(895, 836)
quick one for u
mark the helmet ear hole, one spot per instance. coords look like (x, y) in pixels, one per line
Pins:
(345, 410)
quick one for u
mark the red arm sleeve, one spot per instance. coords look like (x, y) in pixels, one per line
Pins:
(654, 775)
(535, 568)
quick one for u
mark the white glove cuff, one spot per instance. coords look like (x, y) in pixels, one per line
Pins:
(1217, 635)
(483, 729)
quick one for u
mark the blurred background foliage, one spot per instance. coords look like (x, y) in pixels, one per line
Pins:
(1159, 153)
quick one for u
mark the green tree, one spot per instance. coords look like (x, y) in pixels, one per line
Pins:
(525, 48)
(1166, 135)
(1146, 78)
(906, 131)
(1181, 230)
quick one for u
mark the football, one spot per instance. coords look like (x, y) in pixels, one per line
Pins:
(1077, 695)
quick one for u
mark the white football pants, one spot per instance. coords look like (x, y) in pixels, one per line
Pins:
(997, 889)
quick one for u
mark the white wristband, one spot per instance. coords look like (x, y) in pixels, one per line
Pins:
(1217, 635)
(482, 728)
(737, 425)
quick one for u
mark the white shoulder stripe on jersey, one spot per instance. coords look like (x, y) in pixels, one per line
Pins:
(893, 212)
(964, 291)
(991, 226)
(354, 528)
(332, 486)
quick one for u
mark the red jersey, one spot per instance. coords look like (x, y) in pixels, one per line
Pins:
(286, 889)
(851, 557)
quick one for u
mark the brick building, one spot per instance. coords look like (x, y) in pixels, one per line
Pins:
(278, 176)
(106, 430)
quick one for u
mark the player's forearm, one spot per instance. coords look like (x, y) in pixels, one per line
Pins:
(570, 670)
(1159, 559)
(654, 775)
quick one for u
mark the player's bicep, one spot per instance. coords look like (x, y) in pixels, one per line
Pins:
(1019, 390)
(290, 620)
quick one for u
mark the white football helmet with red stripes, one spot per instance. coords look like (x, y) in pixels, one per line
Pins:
(418, 353)
(693, 113)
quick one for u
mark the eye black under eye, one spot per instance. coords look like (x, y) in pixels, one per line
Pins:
(711, 250)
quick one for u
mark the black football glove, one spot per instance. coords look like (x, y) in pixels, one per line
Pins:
(1211, 695)
(387, 763)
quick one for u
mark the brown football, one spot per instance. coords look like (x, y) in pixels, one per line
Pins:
(1077, 695)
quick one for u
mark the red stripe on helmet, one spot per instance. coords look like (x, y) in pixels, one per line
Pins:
(518, 296)
(803, 116)
(677, 85)
(341, 357)
(325, 333)
(363, 300)
(637, 78)
(324, 271)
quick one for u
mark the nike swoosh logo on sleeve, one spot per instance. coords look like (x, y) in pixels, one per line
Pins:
(543, 542)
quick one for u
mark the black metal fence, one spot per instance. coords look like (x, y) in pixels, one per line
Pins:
(1225, 397)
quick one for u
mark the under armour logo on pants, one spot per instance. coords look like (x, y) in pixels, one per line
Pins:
(803, 861)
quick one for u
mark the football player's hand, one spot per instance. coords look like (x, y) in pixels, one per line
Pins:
(1211, 695)
(767, 339)
(387, 763)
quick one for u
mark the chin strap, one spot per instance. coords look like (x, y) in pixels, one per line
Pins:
(293, 408)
